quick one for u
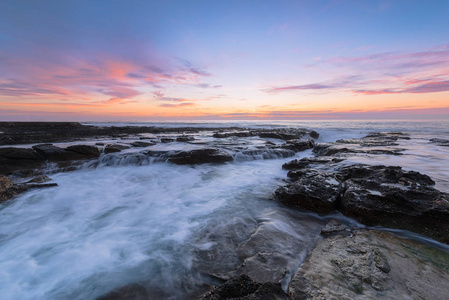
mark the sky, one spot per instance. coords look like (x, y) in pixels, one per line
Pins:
(108, 60)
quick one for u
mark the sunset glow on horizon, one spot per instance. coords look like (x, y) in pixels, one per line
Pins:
(223, 60)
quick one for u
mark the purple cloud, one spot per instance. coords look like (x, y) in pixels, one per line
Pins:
(177, 105)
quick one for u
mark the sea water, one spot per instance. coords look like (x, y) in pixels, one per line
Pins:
(170, 227)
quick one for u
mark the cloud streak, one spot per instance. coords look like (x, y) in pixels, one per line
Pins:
(382, 73)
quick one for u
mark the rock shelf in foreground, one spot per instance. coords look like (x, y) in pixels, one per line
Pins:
(372, 265)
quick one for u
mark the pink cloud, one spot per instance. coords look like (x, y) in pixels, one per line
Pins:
(103, 76)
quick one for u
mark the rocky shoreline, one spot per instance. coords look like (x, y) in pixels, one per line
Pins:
(346, 263)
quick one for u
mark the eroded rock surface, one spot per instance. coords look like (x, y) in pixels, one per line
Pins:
(373, 195)
(375, 143)
(314, 190)
(372, 265)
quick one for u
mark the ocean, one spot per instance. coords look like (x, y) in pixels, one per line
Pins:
(172, 228)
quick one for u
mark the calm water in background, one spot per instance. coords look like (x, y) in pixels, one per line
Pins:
(109, 226)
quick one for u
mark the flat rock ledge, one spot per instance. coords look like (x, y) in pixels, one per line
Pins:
(372, 264)
(200, 156)
(374, 196)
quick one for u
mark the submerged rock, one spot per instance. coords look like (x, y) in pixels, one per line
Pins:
(200, 156)
(372, 265)
(243, 288)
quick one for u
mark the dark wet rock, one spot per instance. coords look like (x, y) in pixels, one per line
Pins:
(112, 148)
(365, 142)
(167, 140)
(374, 143)
(440, 142)
(19, 153)
(413, 207)
(128, 292)
(373, 195)
(243, 288)
(314, 190)
(307, 161)
(372, 265)
(333, 226)
(299, 173)
(222, 135)
(142, 144)
(40, 185)
(299, 145)
(200, 156)
(313, 134)
(391, 135)
(54, 154)
(85, 150)
(19, 159)
(185, 139)
(57, 154)
(329, 149)
(263, 154)
(384, 174)
(279, 135)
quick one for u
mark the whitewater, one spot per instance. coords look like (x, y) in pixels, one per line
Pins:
(173, 228)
